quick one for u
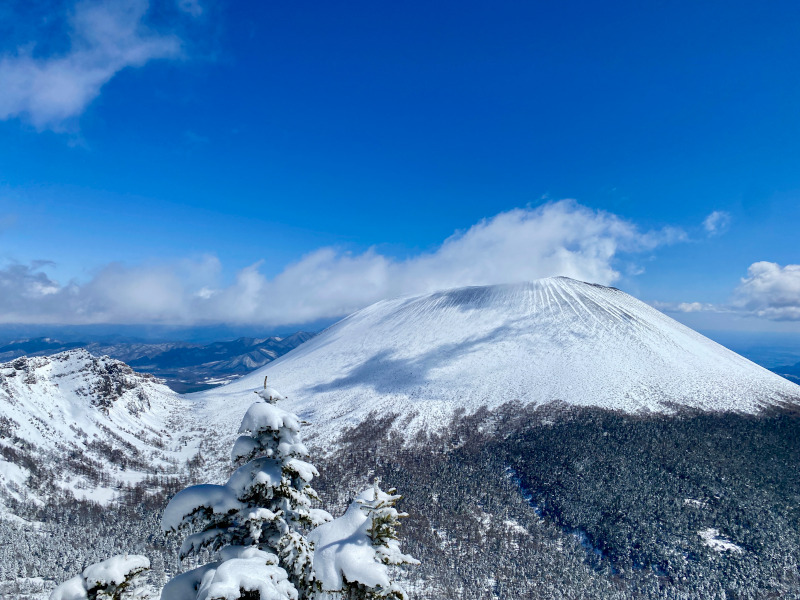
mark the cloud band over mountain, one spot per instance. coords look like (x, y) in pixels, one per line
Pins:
(557, 238)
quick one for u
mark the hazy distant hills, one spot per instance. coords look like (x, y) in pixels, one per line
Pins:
(790, 372)
(185, 367)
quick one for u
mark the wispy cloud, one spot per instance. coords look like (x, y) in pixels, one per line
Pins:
(717, 222)
(560, 238)
(193, 7)
(105, 38)
(688, 307)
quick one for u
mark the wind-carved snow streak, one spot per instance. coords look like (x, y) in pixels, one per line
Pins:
(552, 340)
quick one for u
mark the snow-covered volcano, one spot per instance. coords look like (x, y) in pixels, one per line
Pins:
(89, 424)
(552, 340)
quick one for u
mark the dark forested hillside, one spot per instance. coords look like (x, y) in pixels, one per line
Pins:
(557, 503)
(550, 502)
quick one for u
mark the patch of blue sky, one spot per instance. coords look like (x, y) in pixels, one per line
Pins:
(261, 133)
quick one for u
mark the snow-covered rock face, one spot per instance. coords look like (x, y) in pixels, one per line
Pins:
(552, 340)
(102, 380)
(84, 422)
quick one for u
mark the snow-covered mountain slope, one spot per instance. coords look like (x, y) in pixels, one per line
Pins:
(552, 340)
(86, 424)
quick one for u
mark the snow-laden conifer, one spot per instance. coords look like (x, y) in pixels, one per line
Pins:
(260, 515)
(384, 521)
(112, 579)
(354, 552)
(241, 572)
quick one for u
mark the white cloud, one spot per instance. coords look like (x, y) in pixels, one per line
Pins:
(560, 238)
(717, 222)
(105, 37)
(687, 307)
(770, 291)
(692, 307)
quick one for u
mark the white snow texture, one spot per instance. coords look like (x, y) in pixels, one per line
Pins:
(55, 403)
(343, 548)
(248, 569)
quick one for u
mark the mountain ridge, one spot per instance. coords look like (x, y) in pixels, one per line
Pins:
(84, 424)
(551, 340)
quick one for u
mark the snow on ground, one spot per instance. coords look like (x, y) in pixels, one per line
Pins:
(716, 542)
(51, 407)
(552, 340)
(512, 525)
(56, 397)
(12, 478)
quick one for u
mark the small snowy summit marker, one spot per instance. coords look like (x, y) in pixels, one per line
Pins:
(263, 525)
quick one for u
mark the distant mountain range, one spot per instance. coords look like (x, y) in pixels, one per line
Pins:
(185, 367)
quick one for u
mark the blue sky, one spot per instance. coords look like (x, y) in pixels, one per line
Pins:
(189, 161)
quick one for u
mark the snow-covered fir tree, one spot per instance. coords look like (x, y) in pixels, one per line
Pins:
(265, 528)
(384, 521)
(354, 552)
(113, 579)
(260, 514)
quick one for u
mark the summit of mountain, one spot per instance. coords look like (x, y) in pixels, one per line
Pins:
(554, 340)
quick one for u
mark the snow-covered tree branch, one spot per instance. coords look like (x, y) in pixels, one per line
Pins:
(111, 579)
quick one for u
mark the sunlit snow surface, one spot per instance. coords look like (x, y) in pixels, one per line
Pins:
(426, 356)
(64, 403)
(550, 340)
